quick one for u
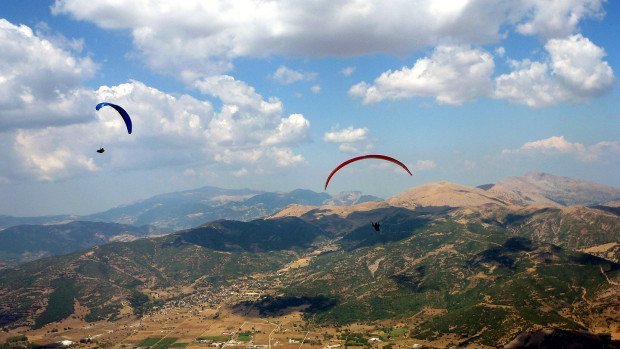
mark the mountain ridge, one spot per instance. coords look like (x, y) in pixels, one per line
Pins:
(490, 269)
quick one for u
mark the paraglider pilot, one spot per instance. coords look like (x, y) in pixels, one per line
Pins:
(100, 150)
(375, 225)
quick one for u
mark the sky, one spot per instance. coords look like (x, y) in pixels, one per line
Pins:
(272, 95)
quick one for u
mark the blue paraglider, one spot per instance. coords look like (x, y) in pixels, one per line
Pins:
(120, 110)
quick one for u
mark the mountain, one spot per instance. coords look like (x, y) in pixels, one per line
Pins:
(595, 230)
(101, 278)
(254, 236)
(24, 243)
(180, 210)
(445, 194)
(447, 277)
(586, 229)
(450, 261)
(10, 221)
(347, 198)
(162, 213)
(546, 189)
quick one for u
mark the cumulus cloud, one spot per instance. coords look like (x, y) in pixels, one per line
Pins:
(204, 38)
(557, 145)
(247, 132)
(315, 89)
(47, 155)
(40, 83)
(195, 40)
(288, 76)
(347, 135)
(557, 18)
(574, 71)
(350, 139)
(291, 130)
(452, 74)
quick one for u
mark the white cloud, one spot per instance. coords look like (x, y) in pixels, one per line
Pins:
(285, 157)
(247, 132)
(288, 76)
(194, 41)
(40, 83)
(47, 155)
(248, 118)
(348, 148)
(348, 71)
(424, 165)
(347, 135)
(453, 75)
(575, 71)
(315, 89)
(350, 139)
(198, 38)
(579, 65)
(556, 18)
(291, 130)
(556, 145)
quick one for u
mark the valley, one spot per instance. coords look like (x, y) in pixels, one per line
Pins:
(451, 266)
(231, 317)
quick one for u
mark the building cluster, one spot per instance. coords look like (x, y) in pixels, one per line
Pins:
(243, 289)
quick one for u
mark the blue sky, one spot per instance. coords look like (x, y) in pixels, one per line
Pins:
(273, 95)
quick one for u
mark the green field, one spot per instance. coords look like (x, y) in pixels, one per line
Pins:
(164, 343)
(244, 336)
(148, 341)
(399, 332)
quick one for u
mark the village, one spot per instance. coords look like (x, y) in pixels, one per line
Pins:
(207, 317)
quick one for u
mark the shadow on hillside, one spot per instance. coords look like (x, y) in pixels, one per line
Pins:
(396, 227)
(517, 218)
(561, 338)
(277, 306)
(259, 235)
(337, 225)
(505, 255)
(411, 279)
(614, 210)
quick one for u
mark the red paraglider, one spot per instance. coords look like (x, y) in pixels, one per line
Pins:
(370, 156)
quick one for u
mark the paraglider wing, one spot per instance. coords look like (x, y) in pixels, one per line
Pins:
(370, 156)
(120, 110)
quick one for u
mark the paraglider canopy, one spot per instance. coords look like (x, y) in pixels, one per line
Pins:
(369, 156)
(120, 110)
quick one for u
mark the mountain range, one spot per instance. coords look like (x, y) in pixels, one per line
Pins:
(190, 208)
(28, 238)
(25, 243)
(487, 263)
